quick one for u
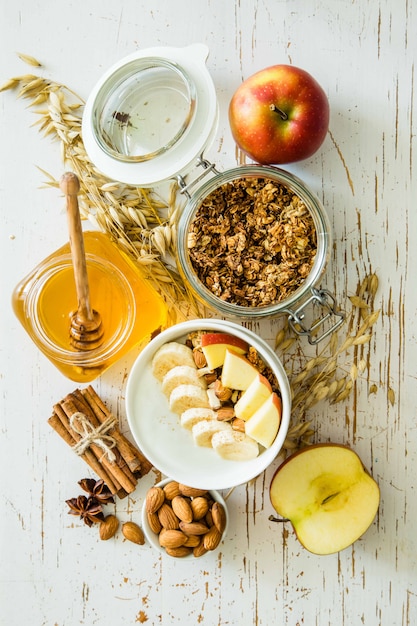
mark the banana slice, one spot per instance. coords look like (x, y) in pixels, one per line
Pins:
(204, 431)
(186, 397)
(182, 375)
(170, 355)
(234, 445)
(190, 417)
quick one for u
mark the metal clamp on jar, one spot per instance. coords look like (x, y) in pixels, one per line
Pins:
(149, 120)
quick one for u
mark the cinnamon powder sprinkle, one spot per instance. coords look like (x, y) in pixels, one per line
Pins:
(252, 242)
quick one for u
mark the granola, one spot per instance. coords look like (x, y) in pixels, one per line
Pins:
(252, 242)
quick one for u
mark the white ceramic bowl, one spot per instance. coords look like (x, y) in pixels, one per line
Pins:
(153, 537)
(168, 446)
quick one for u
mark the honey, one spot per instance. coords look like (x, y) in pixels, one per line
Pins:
(130, 309)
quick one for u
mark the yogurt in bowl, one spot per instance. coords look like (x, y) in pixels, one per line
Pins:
(157, 428)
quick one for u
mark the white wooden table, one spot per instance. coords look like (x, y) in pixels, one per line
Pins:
(54, 570)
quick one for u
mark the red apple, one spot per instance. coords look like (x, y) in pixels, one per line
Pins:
(279, 115)
(214, 346)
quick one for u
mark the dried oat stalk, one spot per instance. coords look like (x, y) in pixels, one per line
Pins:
(138, 220)
(330, 374)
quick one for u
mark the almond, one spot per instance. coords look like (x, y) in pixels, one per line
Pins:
(178, 552)
(154, 523)
(172, 538)
(193, 528)
(193, 541)
(108, 527)
(209, 519)
(182, 509)
(154, 499)
(199, 507)
(225, 414)
(133, 532)
(171, 490)
(167, 517)
(219, 516)
(223, 393)
(199, 358)
(210, 377)
(191, 491)
(212, 539)
(199, 550)
(238, 424)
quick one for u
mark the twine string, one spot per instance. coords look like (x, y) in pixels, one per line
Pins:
(80, 423)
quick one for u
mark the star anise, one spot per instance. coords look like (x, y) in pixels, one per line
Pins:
(88, 509)
(97, 489)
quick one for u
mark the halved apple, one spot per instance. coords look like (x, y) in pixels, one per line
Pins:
(326, 493)
(214, 346)
(252, 399)
(263, 425)
(237, 372)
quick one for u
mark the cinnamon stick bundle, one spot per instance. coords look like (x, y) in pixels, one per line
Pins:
(86, 424)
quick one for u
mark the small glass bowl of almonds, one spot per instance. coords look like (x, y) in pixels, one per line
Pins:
(183, 521)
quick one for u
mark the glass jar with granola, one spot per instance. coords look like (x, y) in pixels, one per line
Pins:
(254, 242)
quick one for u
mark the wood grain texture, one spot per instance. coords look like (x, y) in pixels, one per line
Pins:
(55, 570)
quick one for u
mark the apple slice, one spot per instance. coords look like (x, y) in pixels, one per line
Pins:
(237, 372)
(264, 423)
(214, 346)
(252, 399)
(326, 493)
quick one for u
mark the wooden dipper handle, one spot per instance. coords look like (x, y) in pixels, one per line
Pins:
(70, 187)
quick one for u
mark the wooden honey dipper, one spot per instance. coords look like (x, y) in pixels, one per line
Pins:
(86, 329)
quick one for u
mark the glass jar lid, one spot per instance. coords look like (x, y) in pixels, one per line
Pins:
(151, 115)
(145, 111)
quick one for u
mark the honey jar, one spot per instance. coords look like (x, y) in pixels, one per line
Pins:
(130, 309)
